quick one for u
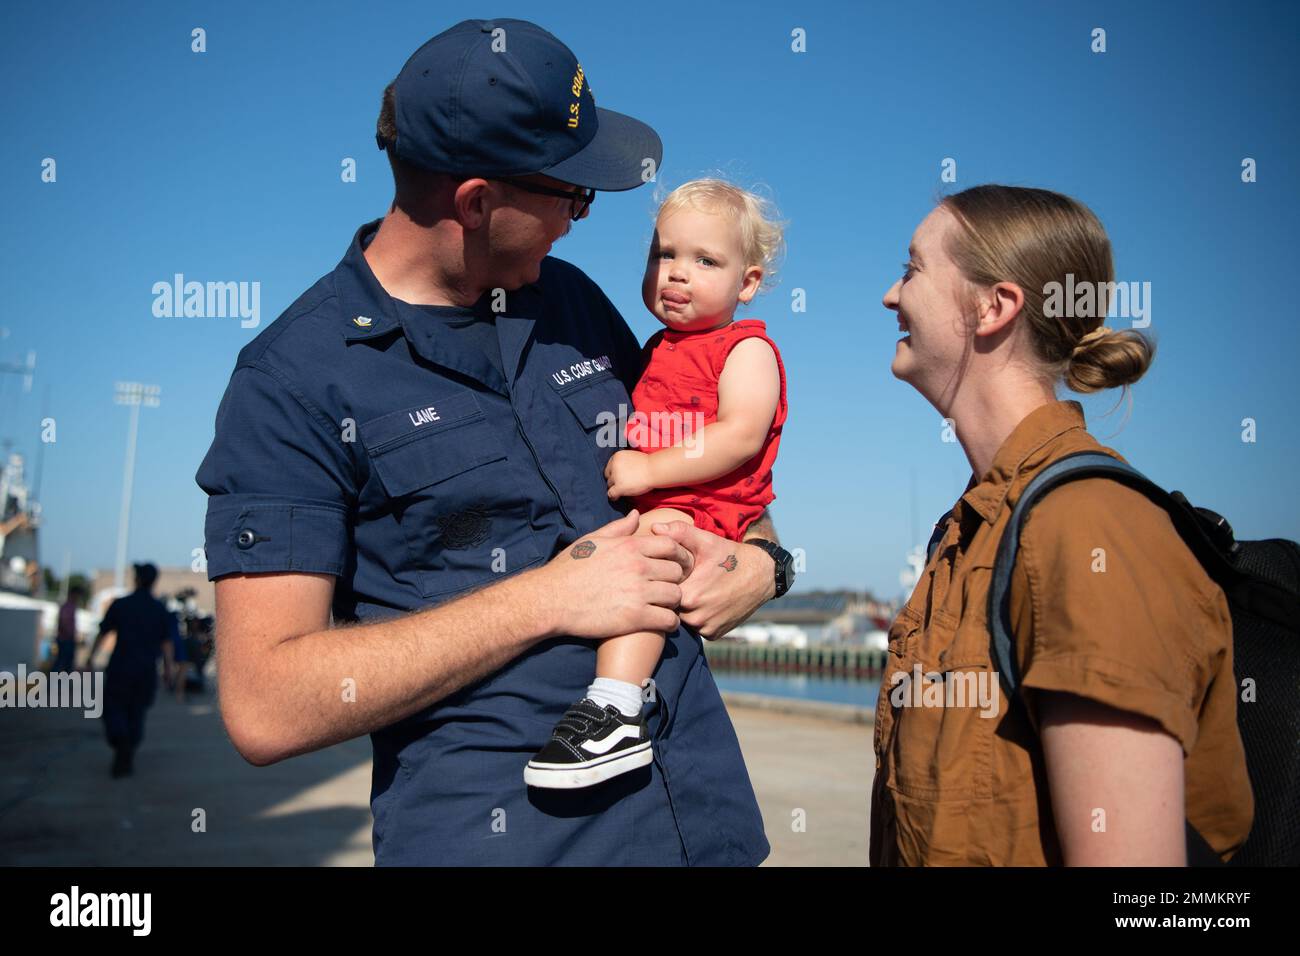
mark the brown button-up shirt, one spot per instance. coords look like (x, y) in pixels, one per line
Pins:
(1106, 603)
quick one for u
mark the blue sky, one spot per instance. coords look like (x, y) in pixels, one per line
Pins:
(225, 166)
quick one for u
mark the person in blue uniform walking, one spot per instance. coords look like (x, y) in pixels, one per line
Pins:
(407, 520)
(144, 629)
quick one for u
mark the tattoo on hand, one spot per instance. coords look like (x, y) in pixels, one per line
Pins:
(729, 564)
(583, 549)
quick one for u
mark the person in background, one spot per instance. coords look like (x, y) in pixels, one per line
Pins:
(144, 630)
(66, 638)
(174, 677)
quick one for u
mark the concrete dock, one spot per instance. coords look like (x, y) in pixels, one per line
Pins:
(58, 806)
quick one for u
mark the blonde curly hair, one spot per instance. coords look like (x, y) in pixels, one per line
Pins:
(762, 234)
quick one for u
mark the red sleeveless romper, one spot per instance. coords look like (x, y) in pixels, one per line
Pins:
(680, 382)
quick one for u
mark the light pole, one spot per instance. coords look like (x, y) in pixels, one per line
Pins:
(25, 370)
(135, 395)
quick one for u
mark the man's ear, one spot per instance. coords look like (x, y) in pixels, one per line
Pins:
(998, 306)
(470, 202)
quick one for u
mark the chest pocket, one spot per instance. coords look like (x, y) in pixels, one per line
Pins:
(944, 711)
(448, 487)
(596, 403)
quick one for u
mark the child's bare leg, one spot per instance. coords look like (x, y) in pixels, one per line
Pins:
(632, 657)
(606, 733)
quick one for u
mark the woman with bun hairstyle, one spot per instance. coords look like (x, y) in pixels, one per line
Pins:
(1125, 724)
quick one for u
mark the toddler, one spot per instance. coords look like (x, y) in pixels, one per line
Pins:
(709, 408)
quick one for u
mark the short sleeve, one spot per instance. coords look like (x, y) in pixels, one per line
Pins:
(280, 483)
(109, 620)
(1117, 609)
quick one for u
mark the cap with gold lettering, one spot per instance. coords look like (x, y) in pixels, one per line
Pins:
(507, 98)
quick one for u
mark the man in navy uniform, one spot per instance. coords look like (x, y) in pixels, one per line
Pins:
(414, 447)
(144, 629)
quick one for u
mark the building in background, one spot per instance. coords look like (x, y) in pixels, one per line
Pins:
(170, 582)
(812, 618)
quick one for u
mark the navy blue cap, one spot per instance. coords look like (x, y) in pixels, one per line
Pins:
(507, 98)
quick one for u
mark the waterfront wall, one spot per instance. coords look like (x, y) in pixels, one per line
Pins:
(827, 660)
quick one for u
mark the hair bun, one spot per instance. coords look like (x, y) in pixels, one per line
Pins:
(1087, 342)
(1108, 358)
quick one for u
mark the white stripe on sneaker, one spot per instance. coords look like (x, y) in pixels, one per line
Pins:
(604, 746)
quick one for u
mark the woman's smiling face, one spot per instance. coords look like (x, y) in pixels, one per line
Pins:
(696, 271)
(929, 300)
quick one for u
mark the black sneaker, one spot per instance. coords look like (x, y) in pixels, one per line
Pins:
(590, 744)
(121, 763)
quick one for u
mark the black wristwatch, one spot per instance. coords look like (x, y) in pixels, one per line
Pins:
(784, 563)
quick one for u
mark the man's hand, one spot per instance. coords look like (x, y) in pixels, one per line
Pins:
(628, 474)
(730, 581)
(94, 649)
(613, 581)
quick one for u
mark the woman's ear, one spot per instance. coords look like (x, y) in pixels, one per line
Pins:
(998, 307)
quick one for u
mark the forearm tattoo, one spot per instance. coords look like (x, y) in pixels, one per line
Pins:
(583, 549)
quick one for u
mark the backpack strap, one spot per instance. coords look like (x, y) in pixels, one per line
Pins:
(1069, 468)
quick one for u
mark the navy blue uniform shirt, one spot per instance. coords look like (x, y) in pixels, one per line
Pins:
(361, 439)
(142, 623)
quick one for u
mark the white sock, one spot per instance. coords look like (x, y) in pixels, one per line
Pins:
(626, 697)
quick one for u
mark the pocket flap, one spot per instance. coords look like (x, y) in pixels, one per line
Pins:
(416, 422)
(592, 399)
(435, 456)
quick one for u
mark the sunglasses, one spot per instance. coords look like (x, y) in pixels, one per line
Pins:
(580, 199)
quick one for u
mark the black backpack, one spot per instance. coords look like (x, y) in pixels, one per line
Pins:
(1261, 580)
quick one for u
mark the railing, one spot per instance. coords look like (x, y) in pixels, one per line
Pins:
(827, 660)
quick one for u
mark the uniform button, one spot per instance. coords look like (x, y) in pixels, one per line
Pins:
(246, 538)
